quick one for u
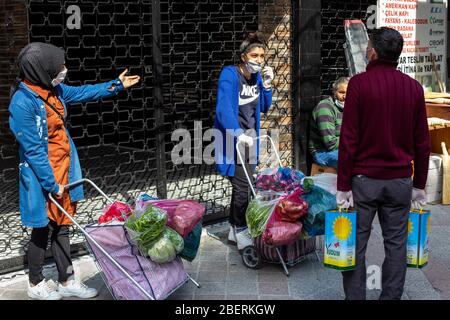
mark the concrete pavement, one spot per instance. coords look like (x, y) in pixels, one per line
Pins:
(219, 269)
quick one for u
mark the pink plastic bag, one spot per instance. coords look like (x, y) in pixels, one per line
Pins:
(282, 233)
(183, 215)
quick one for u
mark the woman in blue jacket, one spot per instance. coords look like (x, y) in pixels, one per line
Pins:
(49, 160)
(241, 97)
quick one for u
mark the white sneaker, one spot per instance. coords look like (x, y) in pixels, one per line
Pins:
(43, 291)
(231, 235)
(243, 239)
(76, 289)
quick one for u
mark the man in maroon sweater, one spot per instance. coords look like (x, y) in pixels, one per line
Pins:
(384, 128)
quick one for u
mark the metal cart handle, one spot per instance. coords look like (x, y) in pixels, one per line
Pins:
(87, 235)
(243, 163)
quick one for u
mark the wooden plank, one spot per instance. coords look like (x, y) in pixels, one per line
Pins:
(438, 111)
(438, 136)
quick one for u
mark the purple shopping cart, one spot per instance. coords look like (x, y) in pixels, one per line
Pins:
(127, 275)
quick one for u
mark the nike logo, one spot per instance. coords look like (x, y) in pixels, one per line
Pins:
(244, 101)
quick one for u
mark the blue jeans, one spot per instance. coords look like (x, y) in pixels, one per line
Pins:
(327, 159)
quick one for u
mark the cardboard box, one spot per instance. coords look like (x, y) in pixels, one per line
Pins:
(340, 240)
(418, 238)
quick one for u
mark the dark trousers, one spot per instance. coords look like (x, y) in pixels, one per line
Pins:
(60, 244)
(240, 196)
(392, 200)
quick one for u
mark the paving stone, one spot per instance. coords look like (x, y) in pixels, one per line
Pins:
(211, 265)
(19, 285)
(243, 276)
(176, 296)
(211, 288)
(14, 295)
(373, 294)
(423, 294)
(234, 257)
(438, 273)
(241, 297)
(241, 288)
(273, 288)
(272, 277)
(439, 220)
(329, 294)
(272, 268)
(103, 294)
(305, 273)
(238, 267)
(445, 295)
(212, 276)
(208, 297)
(269, 297)
(212, 256)
(303, 289)
(189, 288)
(215, 247)
(222, 274)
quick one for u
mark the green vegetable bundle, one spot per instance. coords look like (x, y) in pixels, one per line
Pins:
(145, 228)
(166, 247)
(257, 215)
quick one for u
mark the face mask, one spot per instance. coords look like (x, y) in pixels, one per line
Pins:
(59, 78)
(339, 103)
(253, 67)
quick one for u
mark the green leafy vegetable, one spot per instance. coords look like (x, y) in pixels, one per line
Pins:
(175, 238)
(147, 227)
(162, 250)
(258, 212)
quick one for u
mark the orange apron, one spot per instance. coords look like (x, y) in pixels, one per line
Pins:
(58, 154)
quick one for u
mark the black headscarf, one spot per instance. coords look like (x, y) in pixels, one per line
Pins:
(39, 63)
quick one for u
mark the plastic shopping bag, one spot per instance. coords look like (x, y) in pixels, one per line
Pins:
(281, 233)
(117, 210)
(192, 243)
(183, 215)
(319, 201)
(259, 211)
(292, 207)
(327, 181)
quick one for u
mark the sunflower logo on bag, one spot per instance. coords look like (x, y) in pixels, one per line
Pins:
(410, 227)
(342, 227)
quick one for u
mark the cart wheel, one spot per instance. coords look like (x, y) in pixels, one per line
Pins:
(251, 258)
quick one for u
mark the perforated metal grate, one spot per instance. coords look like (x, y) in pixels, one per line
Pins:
(117, 139)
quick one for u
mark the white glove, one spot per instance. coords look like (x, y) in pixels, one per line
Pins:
(344, 199)
(245, 139)
(419, 199)
(268, 76)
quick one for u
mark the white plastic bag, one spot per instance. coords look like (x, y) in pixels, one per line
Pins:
(326, 181)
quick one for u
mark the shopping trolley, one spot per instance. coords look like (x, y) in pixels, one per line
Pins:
(127, 275)
(287, 255)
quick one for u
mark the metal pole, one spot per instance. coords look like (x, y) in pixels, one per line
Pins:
(295, 72)
(158, 102)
